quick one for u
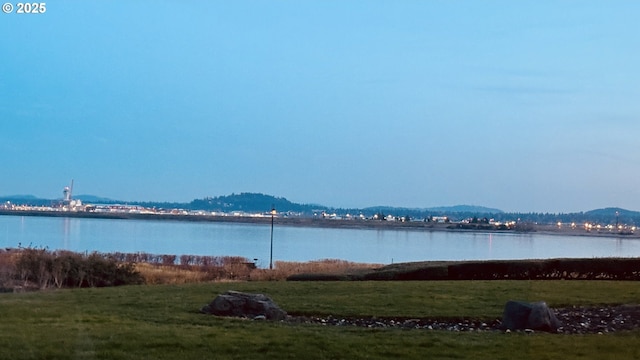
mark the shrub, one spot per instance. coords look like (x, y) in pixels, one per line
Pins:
(42, 268)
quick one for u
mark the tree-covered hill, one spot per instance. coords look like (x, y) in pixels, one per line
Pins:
(251, 202)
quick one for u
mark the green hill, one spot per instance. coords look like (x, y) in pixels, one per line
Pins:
(251, 202)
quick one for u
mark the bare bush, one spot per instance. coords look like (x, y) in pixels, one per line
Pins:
(41, 268)
(7, 268)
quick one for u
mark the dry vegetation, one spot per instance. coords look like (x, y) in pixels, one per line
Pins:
(29, 268)
(283, 269)
(242, 271)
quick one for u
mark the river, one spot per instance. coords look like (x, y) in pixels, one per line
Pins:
(294, 243)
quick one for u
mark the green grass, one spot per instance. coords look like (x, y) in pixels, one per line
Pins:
(163, 322)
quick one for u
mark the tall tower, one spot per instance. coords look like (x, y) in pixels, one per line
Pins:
(68, 192)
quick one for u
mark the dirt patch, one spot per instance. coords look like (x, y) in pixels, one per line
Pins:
(575, 320)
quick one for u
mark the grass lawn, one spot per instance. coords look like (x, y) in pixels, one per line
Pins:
(163, 322)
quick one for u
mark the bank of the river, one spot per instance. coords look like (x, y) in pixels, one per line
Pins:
(546, 229)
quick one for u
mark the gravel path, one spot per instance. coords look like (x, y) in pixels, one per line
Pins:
(575, 320)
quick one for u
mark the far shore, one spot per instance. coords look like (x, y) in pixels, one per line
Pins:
(547, 229)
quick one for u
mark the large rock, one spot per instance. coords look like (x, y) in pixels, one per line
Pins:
(239, 304)
(519, 315)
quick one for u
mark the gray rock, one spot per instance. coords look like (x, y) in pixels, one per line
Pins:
(515, 315)
(519, 315)
(239, 304)
(543, 318)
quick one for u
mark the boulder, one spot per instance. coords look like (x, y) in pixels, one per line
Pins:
(247, 305)
(519, 315)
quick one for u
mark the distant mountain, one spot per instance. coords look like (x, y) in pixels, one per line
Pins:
(467, 209)
(30, 199)
(25, 200)
(613, 215)
(462, 209)
(612, 212)
(18, 197)
(94, 199)
(261, 203)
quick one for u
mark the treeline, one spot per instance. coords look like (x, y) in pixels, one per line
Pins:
(599, 217)
(603, 216)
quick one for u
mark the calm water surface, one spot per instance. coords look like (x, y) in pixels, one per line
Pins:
(297, 243)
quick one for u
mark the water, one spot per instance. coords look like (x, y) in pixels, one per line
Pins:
(297, 243)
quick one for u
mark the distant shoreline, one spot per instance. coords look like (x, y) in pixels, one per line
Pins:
(565, 230)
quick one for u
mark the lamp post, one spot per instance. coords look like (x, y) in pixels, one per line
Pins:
(273, 213)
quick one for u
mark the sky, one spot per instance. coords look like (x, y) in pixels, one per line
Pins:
(524, 106)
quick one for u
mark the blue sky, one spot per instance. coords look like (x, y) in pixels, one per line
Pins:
(518, 105)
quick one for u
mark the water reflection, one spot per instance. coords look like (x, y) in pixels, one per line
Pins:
(620, 246)
(297, 243)
(66, 232)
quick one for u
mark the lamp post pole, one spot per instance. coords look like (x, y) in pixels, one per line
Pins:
(273, 212)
